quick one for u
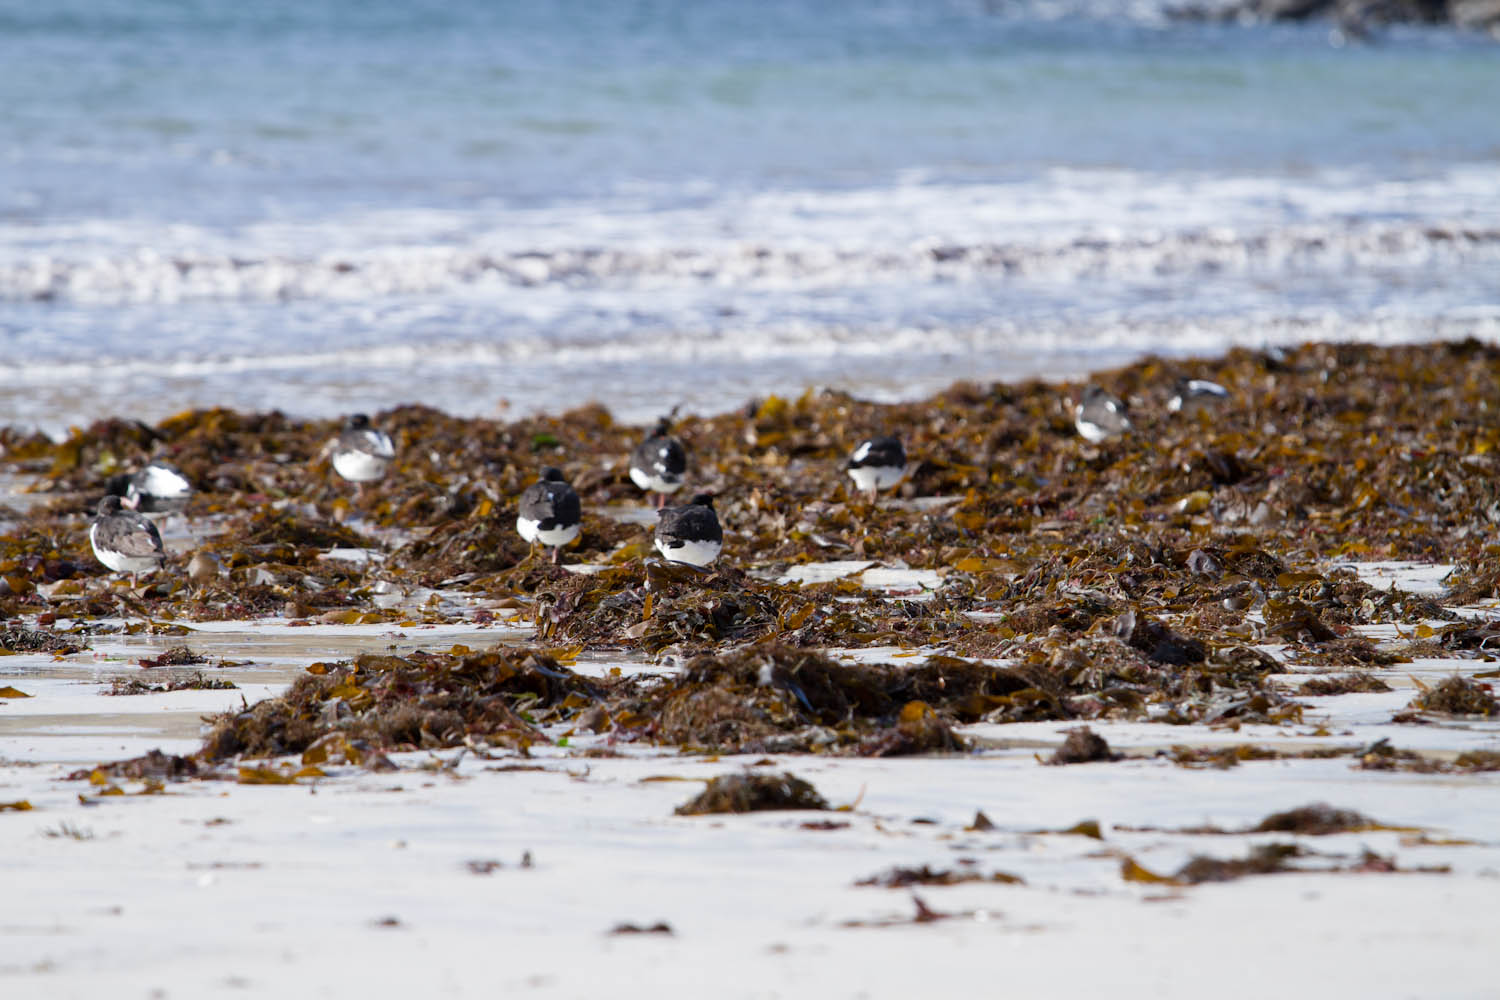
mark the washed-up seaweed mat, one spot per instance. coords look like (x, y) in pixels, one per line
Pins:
(1133, 578)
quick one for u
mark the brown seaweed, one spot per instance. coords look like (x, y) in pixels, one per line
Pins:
(426, 700)
(1082, 746)
(1316, 820)
(177, 656)
(1456, 696)
(901, 877)
(749, 792)
(197, 681)
(20, 639)
(1342, 684)
(1263, 859)
(1165, 521)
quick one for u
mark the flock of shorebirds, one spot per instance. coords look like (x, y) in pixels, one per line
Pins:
(126, 540)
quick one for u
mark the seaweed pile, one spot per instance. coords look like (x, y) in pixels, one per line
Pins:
(738, 793)
(762, 698)
(1114, 579)
(767, 697)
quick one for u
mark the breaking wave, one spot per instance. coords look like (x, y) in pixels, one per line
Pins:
(148, 276)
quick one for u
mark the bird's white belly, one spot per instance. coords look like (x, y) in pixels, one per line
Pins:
(875, 477)
(359, 466)
(531, 531)
(695, 553)
(165, 484)
(119, 562)
(1091, 431)
(652, 483)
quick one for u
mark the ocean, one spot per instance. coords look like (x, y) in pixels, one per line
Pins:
(500, 208)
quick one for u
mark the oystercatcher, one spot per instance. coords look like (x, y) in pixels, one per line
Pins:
(124, 541)
(1100, 416)
(658, 463)
(690, 534)
(877, 464)
(361, 453)
(550, 512)
(159, 488)
(1194, 394)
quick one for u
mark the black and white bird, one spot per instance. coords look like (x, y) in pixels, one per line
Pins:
(658, 464)
(1100, 416)
(550, 512)
(159, 488)
(877, 464)
(361, 453)
(125, 541)
(1192, 395)
(690, 534)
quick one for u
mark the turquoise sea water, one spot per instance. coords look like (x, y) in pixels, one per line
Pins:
(327, 206)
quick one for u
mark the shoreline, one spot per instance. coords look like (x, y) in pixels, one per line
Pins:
(509, 381)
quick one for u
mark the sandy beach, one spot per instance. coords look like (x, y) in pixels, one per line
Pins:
(461, 873)
(1240, 829)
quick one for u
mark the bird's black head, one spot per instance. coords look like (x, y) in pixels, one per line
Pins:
(357, 422)
(663, 427)
(703, 500)
(109, 505)
(552, 474)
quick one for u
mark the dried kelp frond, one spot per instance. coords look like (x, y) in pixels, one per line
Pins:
(154, 766)
(1316, 820)
(1384, 757)
(901, 877)
(20, 639)
(1271, 859)
(1296, 621)
(1474, 761)
(1263, 859)
(1457, 696)
(660, 927)
(1082, 746)
(1223, 758)
(918, 729)
(1160, 643)
(1475, 581)
(197, 681)
(1342, 684)
(1353, 651)
(1471, 637)
(177, 656)
(739, 793)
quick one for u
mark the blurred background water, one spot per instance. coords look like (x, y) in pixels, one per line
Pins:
(511, 207)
